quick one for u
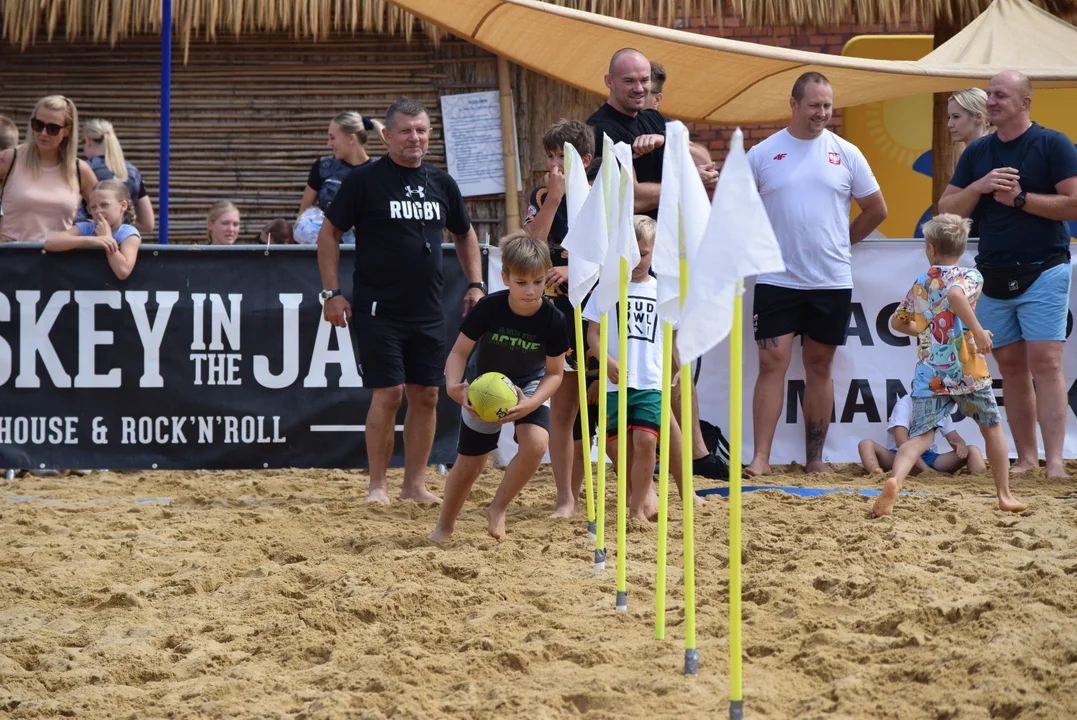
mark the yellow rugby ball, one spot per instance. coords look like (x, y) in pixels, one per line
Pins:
(492, 395)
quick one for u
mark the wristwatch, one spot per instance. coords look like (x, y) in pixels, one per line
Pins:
(477, 285)
(326, 294)
(1019, 200)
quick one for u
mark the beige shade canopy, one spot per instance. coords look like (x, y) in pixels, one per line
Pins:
(716, 80)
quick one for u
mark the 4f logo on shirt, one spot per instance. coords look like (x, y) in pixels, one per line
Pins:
(834, 158)
(418, 192)
(780, 156)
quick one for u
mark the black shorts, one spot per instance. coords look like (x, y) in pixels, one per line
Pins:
(822, 315)
(392, 352)
(473, 443)
(592, 419)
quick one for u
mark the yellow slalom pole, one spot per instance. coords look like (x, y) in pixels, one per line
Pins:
(663, 484)
(581, 376)
(736, 399)
(622, 436)
(691, 655)
(600, 491)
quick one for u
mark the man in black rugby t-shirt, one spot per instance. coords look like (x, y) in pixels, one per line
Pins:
(398, 207)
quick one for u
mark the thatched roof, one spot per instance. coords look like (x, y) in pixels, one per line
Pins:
(26, 21)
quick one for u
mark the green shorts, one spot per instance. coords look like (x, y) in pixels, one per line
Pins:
(644, 411)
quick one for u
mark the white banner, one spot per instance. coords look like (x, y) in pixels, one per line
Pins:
(868, 371)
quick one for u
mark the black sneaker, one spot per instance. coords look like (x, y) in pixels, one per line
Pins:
(711, 466)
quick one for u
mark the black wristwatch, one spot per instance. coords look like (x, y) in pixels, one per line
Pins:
(326, 294)
(1019, 200)
(477, 285)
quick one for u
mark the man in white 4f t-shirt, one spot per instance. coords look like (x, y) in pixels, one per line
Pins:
(807, 177)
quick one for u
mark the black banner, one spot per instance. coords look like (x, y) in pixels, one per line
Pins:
(203, 358)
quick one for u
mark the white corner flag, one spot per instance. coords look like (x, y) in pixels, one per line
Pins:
(737, 243)
(587, 235)
(622, 235)
(683, 203)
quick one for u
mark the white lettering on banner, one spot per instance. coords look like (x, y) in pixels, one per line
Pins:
(221, 368)
(165, 430)
(198, 304)
(870, 372)
(5, 348)
(90, 337)
(34, 339)
(322, 356)
(228, 322)
(38, 430)
(290, 352)
(151, 335)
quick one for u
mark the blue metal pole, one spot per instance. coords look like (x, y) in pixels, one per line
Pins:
(166, 116)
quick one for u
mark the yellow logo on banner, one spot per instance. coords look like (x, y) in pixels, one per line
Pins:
(895, 135)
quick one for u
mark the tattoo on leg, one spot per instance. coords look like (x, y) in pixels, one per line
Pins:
(767, 343)
(814, 436)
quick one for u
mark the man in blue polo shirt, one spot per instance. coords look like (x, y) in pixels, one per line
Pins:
(1020, 184)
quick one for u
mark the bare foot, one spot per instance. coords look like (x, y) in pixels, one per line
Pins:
(439, 535)
(640, 515)
(1009, 503)
(565, 510)
(420, 495)
(496, 528)
(758, 468)
(1021, 466)
(878, 471)
(699, 501)
(378, 495)
(818, 467)
(884, 506)
(1056, 471)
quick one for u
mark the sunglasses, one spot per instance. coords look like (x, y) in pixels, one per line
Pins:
(39, 126)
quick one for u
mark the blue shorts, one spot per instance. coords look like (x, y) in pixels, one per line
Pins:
(1037, 314)
(928, 457)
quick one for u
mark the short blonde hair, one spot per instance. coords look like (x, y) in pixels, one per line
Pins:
(524, 254)
(948, 233)
(645, 229)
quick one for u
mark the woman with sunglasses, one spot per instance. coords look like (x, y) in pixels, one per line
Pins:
(43, 181)
(102, 149)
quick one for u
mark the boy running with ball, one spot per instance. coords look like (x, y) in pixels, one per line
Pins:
(521, 335)
(951, 372)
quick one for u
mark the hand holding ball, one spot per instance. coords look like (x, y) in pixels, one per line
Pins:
(492, 395)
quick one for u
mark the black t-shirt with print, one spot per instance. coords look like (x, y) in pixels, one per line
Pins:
(514, 345)
(623, 128)
(398, 214)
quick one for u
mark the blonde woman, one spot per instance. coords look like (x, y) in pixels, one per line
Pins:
(102, 149)
(222, 223)
(967, 116)
(42, 181)
(347, 140)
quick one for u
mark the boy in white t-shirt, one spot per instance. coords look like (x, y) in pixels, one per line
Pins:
(644, 380)
(878, 459)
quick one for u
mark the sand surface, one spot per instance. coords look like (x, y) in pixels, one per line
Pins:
(280, 594)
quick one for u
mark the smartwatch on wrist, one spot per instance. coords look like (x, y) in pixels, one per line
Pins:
(477, 285)
(326, 294)
(1019, 200)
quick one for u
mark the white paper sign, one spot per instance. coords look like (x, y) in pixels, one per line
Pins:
(473, 149)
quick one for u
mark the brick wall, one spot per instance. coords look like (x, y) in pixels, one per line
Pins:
(829, 39)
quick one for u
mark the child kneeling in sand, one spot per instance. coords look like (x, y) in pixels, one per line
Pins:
(951, 373)
(877, 459)
(521, 335)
